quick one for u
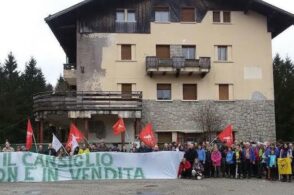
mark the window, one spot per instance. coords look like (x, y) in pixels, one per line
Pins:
(188, 15)
(216, 16)
(227, 17)
(189, 52)
(223, 92)
(161, 14)
(126, 52)
(126, 90)
(189, 92)
(164, 91)
(222, 52)
(120, 16)
(131, 16)
(163, 51)
(125, 15)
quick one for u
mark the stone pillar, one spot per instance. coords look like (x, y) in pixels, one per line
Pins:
(174, 136)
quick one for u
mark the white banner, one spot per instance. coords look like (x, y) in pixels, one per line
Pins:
(32, 167)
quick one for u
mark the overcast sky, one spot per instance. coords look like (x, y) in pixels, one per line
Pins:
(24, 32)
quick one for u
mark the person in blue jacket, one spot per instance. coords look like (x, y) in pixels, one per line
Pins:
(201, 153)
(249, 160)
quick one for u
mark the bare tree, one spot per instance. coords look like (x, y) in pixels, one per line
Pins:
(209, 120)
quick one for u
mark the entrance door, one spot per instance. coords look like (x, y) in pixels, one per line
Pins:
(126, 90)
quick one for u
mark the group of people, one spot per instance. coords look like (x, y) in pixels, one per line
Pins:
(241, 160)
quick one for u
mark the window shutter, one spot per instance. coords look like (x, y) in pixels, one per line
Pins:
(188, 15)
(126, 52)
(216, 16)
(163, 86)
(163, 51)
(189, 92)
(227, 17)
(223, 92)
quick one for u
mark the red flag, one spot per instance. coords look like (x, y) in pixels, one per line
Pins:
(74, 131)
(147, 136)
(29, 139)
(227, 135)
(119, 127)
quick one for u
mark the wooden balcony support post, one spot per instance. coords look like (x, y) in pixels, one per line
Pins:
(123, 139)
(86, 128)
(41, 130)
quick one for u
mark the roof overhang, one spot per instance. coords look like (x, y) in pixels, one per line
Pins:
(64, 23)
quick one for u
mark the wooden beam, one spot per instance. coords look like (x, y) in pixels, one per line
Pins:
(248, 5)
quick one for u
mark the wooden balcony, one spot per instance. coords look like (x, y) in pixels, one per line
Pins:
(177, 66)
(95, 102)
(69, 73)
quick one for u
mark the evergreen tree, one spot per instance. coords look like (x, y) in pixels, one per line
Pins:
(62, 85)
(284, 97)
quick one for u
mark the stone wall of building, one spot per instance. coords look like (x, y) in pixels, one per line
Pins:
(251, 120)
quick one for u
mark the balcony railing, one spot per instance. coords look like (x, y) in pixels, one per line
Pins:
(177, 65)
(70, 66)
(69, 73)
(87, 101)
(125, 27)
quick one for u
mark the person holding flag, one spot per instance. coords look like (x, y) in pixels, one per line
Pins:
(30, 136)
(74, 131)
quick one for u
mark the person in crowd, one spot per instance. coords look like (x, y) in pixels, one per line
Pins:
(84, 149)
(238, 159)
(272, 165)
(223, 150)
(155, 148)
(41, 149)
(18, 148)
(286, 153)
(208, 162)
(216, 158)
(51, 151)
(184, 169)
(197, 170)
(190, 154)
(262, 170)
(115, 148)
(165, 147)
(201, 153)
(230, 163)
(124, 149)
(61, 153)
(7, 147)
(143, 148)
(248, 160)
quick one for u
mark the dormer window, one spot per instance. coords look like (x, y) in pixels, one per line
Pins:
(221, 17)
(125, 15)
(162, 14)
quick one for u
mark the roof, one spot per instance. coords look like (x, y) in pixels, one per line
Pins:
(63, 23)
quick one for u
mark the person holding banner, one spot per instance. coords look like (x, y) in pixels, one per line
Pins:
(286, 154)
(7, 147)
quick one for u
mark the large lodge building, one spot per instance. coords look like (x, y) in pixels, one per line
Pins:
(190, 67)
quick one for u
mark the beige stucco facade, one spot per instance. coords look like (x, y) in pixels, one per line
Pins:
(248, 69)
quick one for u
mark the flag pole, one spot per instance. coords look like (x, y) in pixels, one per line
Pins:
(213, 140)
(35, 142)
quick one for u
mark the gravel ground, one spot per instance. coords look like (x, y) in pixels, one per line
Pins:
(151, 187)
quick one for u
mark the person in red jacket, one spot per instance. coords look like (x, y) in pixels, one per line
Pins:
(184, 169)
